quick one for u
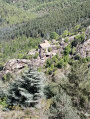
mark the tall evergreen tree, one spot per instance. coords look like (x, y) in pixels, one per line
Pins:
(27, 90)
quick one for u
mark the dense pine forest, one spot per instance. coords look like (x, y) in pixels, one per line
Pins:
(39, 18)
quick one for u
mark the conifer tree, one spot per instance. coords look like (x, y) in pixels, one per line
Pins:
(27, 90)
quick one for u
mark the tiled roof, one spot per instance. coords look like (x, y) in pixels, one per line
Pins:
(45, 44)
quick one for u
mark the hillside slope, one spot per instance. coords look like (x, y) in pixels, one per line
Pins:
(37, 18)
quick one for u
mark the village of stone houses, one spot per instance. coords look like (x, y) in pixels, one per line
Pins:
(48, 49)
(54, 58)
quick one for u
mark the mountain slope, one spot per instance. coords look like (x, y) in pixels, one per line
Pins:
(42, 17)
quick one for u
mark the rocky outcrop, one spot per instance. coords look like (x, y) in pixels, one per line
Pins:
(87, 34)
(84, 49)
(15, 64)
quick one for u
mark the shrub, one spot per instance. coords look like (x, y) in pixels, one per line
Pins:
(66, 58)
(27, 57)
(7, 77)
(49, 71)
(65, 33)
(60, 64)
(49, 49)
(50, 91)
(77, 57)
(88, 59)
(73, 50)
(67, 50)
(78, 39)
(20, 56)
(77, 28)
(54, 35)
(35, 56)
(55, 59)
(48, 63)
(1, 66)
(66, 40)
(3, 102)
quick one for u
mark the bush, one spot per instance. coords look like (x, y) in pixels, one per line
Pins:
(20, 56)
(1, 66)
(35, 56)
(65, 33)
(48, 63)
(66, 58)
(73, 50)
(66, 40)
(49, 71)
(55, 59)
(54, 35)
(7, 77)
(50, 91)
(3, 102)
(67, 50)
(78, 39)
(77, 57)
(77, 28)
(88, 59)
(60, 64)
(49, 49)
(27, 57)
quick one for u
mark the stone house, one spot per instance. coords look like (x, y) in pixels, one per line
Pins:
(43, 49)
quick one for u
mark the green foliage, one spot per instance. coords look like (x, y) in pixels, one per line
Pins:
(67, 50)
(66, 58)
(84, 60)
(48, 63)
(55, 59)
(73, 50)
(49, 49)
(20, 56)
(38, 18)
(65, 33)
(50, 91)
(18, 48)
(66, 40)
(77, 28)
(54, 35)
(61, 106)
(60, 64)
(79, 78)
(87, 35)
(35, 56)
(1, 66)
(56, 62)
(3, 102)
(70, 98)
(78, 39)
(26, 90)
(7, 77)
(10, 14)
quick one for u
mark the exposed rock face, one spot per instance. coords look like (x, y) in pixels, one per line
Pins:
(88, 33)
(32, 52)
(84, 49)
(15, 64)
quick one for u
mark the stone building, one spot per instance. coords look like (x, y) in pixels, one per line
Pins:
(43, 49)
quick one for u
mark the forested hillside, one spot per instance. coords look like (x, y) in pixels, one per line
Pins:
(44, 59)
(39, 18)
